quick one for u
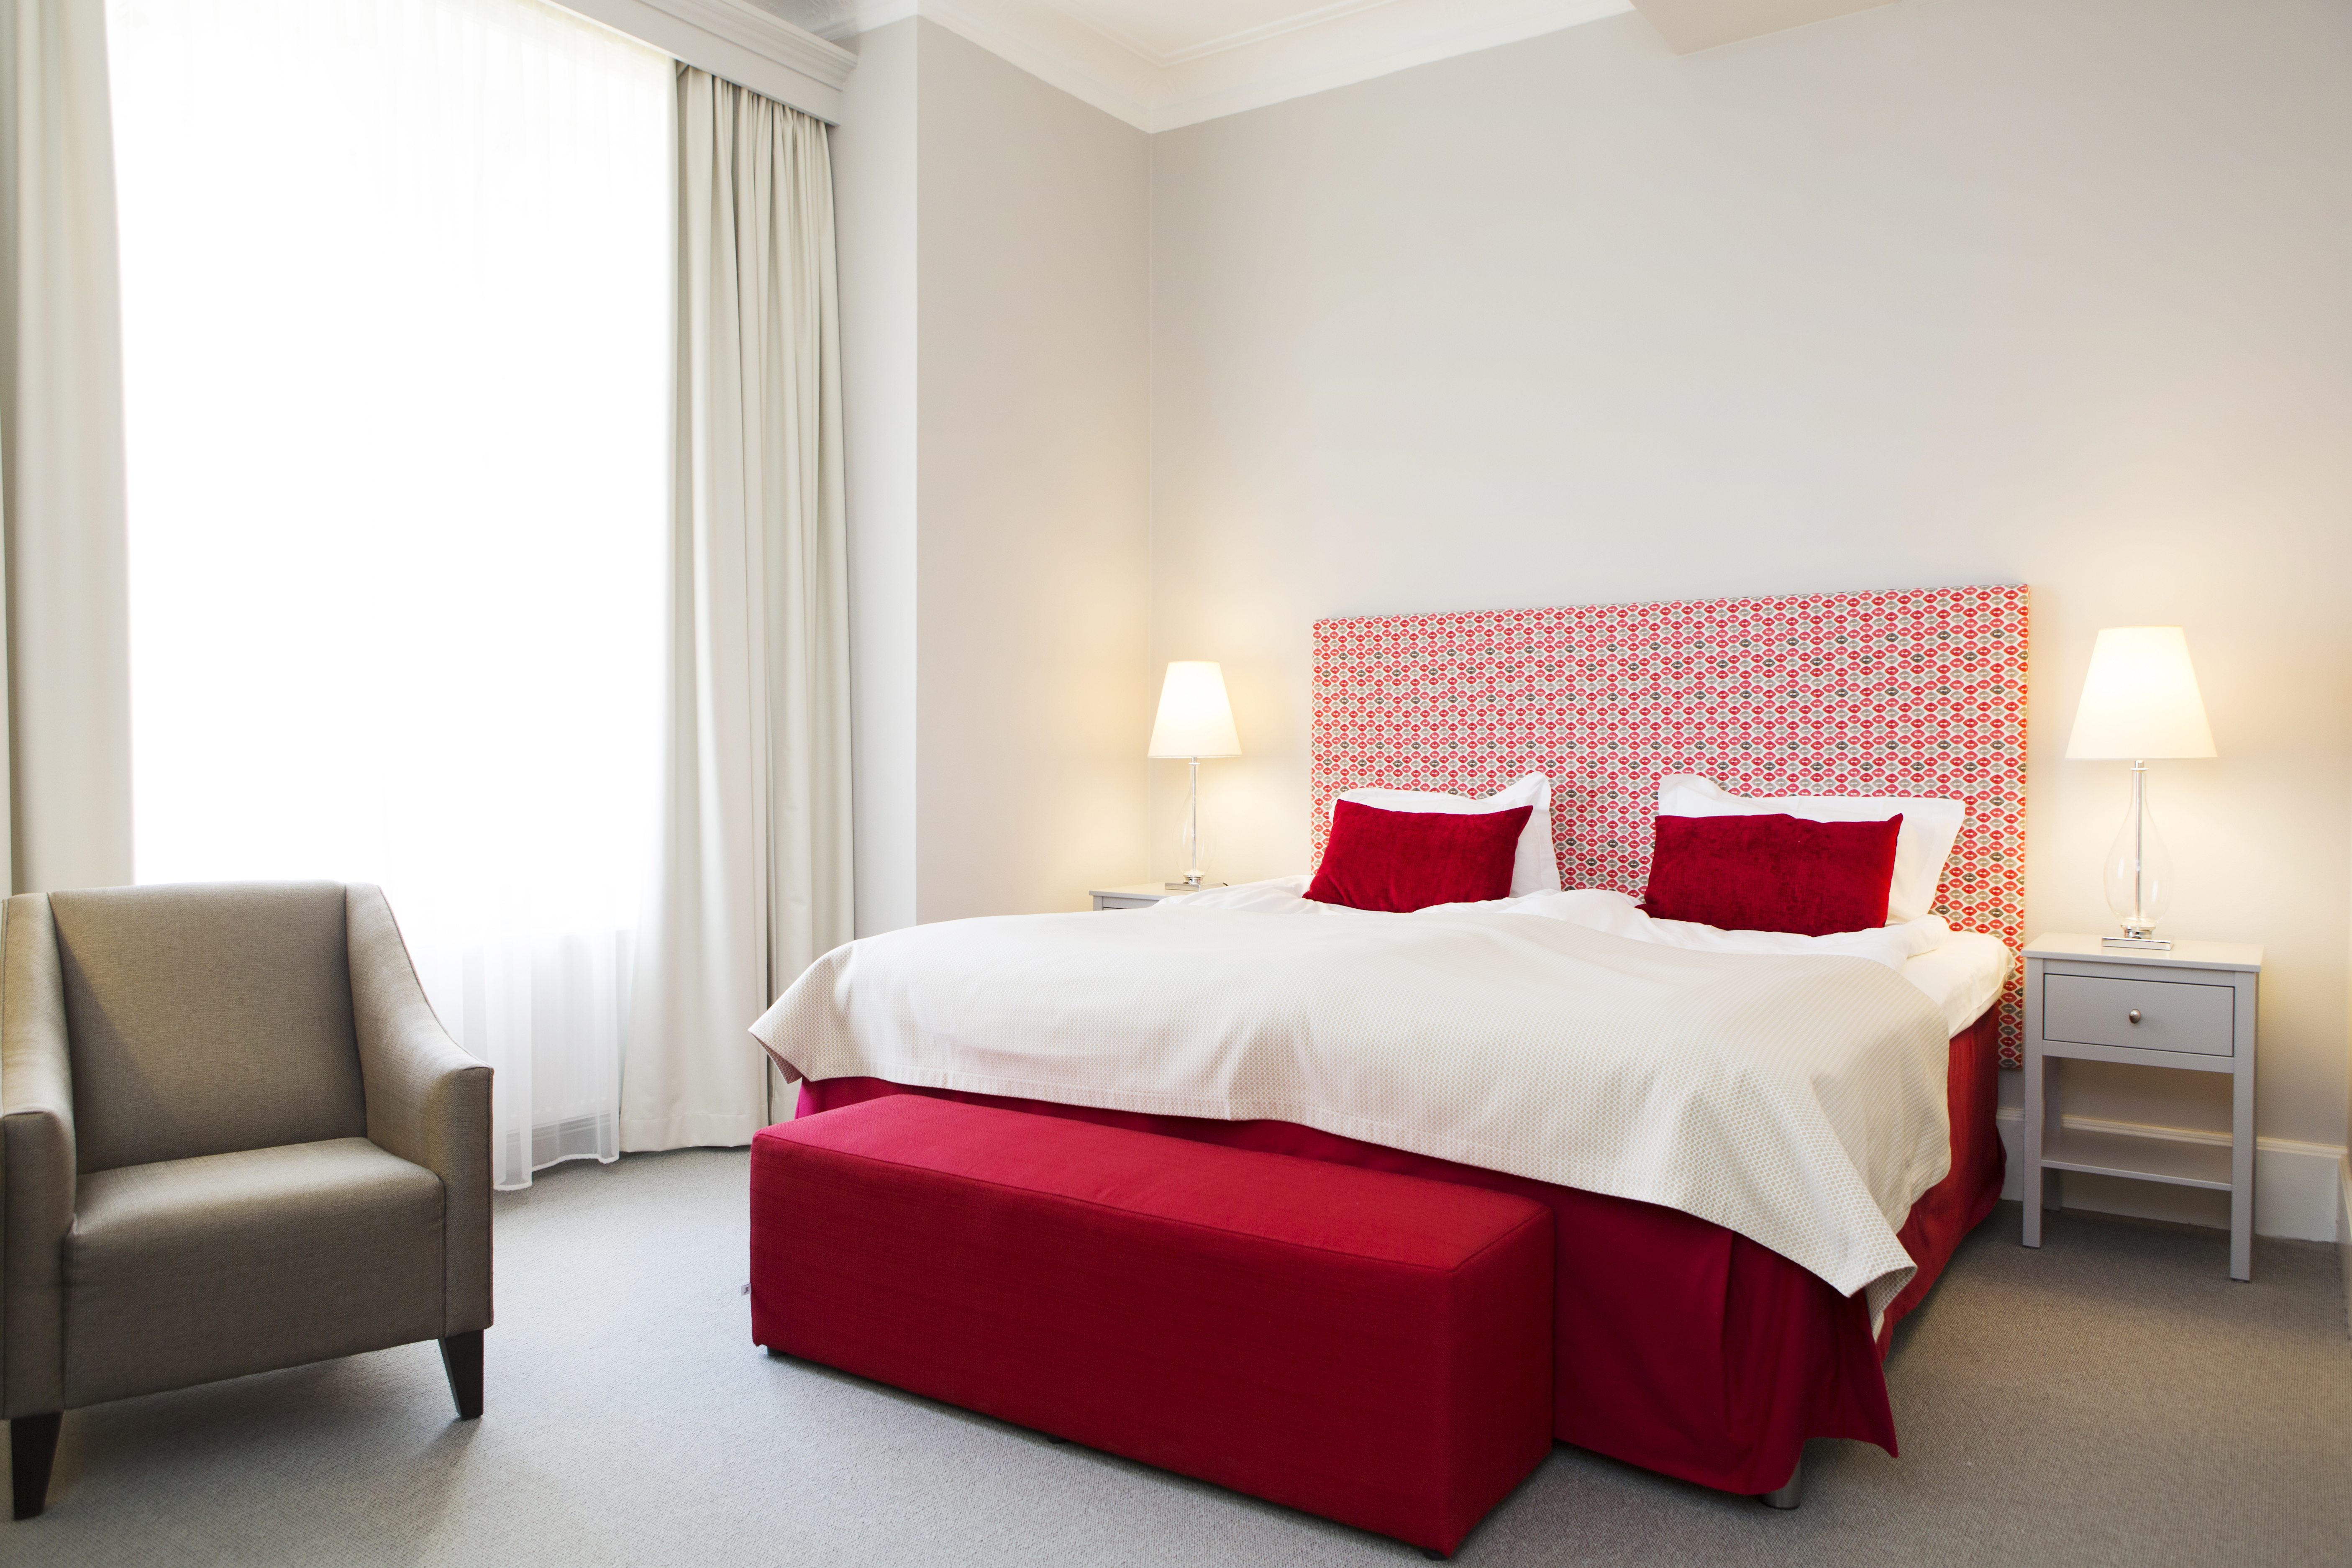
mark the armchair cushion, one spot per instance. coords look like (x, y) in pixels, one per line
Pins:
(207, 1019)
(185, 1271)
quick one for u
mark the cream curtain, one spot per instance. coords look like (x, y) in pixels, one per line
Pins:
(755, 879)
(68, 738)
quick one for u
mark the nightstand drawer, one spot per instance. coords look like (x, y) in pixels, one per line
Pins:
(2139, 1014)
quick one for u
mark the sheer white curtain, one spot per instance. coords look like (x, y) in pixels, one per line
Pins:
(396, 311)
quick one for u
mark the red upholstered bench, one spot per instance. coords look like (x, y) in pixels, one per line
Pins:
(1370, 1347)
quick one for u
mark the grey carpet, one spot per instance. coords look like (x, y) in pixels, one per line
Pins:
(2112, 1398)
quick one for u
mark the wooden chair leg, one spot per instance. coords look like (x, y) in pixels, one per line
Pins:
(461, 1358)
(32, 1449)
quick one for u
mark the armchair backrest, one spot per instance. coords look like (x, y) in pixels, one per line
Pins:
(207, 1018)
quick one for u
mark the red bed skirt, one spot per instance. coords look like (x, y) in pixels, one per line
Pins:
(1678, 1345)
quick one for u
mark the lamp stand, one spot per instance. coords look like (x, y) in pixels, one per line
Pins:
(1191, 882)
(2139, 927)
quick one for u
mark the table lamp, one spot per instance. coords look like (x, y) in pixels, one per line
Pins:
(2139, 700)
(1195, 720)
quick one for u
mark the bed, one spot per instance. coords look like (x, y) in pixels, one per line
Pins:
(1682, 1344)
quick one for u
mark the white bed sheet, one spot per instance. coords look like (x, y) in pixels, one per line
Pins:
(1960, 972)
(1963, 978)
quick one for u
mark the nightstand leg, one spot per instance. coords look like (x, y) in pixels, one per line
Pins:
(2036, 1064)
(2242, 1170)
(2053, 1116)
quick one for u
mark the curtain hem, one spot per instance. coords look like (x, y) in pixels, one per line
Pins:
(532, 1175)
(690, 1130)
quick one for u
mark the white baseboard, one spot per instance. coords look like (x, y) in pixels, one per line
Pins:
(2301, 1190)
(2343, 1230)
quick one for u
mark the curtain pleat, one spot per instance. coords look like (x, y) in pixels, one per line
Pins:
(68, 648)
(755, 872)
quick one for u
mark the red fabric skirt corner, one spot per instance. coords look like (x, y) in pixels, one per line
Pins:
(1678, 1345)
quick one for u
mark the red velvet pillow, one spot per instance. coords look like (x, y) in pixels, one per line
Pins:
(1773, 873)
(1399, 861)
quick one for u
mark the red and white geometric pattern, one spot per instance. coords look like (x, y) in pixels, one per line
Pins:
(1920, 693)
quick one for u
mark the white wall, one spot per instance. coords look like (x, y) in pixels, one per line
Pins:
(874, 215)
(995, 319)
(1979, 291)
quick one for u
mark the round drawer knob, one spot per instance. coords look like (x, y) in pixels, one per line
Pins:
(2135, 1015)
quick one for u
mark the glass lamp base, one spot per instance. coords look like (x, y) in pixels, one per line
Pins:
(2138, 874)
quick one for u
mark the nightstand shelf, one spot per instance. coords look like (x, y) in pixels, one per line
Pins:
(2192, 1009)
(2172, 1160)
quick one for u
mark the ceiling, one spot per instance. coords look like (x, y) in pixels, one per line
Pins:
(1170, 32)
(1161, 64)
(1164, 32)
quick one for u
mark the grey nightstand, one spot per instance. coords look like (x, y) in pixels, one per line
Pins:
(1139, 895)
(2191, 1009)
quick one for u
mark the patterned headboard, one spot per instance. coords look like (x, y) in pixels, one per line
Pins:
(1919, 692)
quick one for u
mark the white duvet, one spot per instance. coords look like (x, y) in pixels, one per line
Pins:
(1789, 1088)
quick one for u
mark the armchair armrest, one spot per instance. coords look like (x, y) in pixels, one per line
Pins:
(36, 1155)
(428, 1101)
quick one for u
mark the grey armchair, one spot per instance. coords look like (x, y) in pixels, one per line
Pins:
(233, 1138)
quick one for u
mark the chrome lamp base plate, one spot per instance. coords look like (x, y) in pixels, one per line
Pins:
(2138, 943)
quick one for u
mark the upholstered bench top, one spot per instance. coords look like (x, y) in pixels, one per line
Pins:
(1370, 1215)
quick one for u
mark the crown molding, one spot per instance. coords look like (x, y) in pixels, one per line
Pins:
(1341, 43)
(755, 28)
(738, 41)
(1041, 39)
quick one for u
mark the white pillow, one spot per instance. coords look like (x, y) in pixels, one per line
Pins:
(1922, 843)
(1533, 869)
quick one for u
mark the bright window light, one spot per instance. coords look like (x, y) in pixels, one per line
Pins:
(396, 294)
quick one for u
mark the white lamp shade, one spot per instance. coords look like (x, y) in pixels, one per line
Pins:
(1195, 720)
(2140, 698)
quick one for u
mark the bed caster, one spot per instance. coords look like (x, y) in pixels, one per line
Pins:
(1789, 1493)
(1435, 1555)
